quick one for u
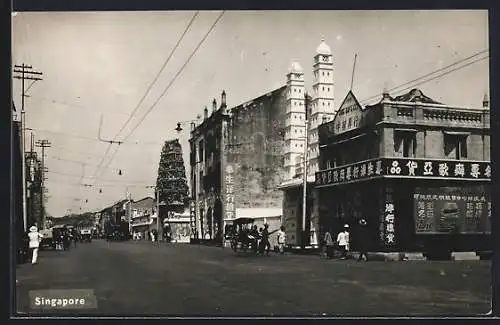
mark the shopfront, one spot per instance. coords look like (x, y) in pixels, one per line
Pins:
(419, 205)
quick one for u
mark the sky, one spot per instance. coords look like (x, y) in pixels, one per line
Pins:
(98, 65)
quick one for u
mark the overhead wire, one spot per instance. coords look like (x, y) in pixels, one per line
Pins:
(170, 83)
(155, 79)
(440, 75)
(428, 74)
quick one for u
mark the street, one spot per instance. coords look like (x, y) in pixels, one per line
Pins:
(146, 279)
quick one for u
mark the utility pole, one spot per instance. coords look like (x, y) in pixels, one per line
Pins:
(304, 175)
(43, 144)
(157, 194)
(25, 72)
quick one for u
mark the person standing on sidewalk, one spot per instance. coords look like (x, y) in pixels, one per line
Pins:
(329, 244)
(363, 240)
(343, 241)
(34, 243)
(281, 240)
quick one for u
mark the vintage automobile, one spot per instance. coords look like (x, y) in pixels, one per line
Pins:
(86, 235)
(56, 238)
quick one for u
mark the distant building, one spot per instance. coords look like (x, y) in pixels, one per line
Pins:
(143, 216)
(418, 171)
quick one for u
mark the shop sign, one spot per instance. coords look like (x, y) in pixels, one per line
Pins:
(455, 169)
(387, 219)
(349, 173)
(229, 189)
(405, 168)
(437, 212)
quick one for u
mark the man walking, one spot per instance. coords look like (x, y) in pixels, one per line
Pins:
(343, 241)
(34, 237)
(329, 244)
(363, 240)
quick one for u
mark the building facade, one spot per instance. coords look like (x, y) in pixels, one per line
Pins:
(416, 170)
(142, 215)
(318, 108)
(237, 159)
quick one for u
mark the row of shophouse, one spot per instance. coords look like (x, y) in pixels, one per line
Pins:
(34, 175)
(141, 217)
(413, 167)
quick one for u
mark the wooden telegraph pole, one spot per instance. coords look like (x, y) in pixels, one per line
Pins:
(43, 144)
(25, 72)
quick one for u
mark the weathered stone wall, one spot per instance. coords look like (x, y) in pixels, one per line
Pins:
(255, 147)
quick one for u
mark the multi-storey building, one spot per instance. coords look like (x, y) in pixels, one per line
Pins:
(237, 158)
(416, 170)
(142, 215)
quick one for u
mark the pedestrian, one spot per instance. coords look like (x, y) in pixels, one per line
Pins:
(343, 241)
(75, 237)
(254, 237)
(265, 239)
(152, 236)
(363, 240)
(281, 240)
(34, 243)
(329, 244)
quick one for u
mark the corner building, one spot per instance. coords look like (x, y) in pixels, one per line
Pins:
(416, 170)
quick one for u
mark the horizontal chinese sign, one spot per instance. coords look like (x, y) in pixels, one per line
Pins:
(349, 173)
(405, 168)
(437, 212)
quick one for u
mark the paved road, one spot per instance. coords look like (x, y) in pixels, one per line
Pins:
(139, 278)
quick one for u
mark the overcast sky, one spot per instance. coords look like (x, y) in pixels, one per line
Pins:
(100, 64)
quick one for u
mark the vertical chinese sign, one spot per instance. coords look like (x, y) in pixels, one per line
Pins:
(192, 215)
(229, 186)
(387, 218)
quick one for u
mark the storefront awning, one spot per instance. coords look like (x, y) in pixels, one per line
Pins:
(257, 213)
(296, 182)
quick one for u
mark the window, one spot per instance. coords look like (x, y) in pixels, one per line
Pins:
(200, 151)
(404, 143)
(455, 146)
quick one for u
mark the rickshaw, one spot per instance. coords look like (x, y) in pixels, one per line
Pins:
(240, 235)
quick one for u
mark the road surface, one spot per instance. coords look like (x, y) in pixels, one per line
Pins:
(147, 279)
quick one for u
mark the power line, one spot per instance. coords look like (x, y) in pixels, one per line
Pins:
(96, 178)
(149, 143)
(148, 90)
(176, 75)
(428, 74)
(171, 83)
(79, 162)
(442, 74)
(68, 105)
(159, 73)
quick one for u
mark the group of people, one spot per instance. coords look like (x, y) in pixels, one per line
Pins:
(258, 239)
(342, 242)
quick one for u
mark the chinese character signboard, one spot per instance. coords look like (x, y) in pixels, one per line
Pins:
(350, 173)
(451, 211)
(387, 219)
(405, 168)
(454, 169)
(229, 189)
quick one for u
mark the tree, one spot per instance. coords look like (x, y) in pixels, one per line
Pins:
(171, 181)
